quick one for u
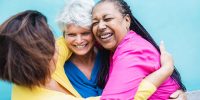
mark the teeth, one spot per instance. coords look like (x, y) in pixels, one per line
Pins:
(80, 46)
(105, 35)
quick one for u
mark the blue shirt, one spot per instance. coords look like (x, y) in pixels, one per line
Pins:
(86, 88)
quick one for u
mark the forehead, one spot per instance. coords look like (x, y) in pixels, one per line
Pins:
(105, 8)
(75, 28)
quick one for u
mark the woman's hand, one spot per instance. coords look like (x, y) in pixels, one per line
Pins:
(166, 59)
(178, 95)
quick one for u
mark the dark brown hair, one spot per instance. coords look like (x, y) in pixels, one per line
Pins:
(27, 46)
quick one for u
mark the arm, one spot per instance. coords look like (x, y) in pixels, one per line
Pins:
(63, 52)
(154, 80)
(159, 76)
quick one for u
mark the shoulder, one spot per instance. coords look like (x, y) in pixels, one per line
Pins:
(61, 44)
(136, 45)
(38, 93)
(137, 51)
(63, 51)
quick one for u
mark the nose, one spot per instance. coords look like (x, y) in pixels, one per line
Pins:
(79, 39)
(102, 26)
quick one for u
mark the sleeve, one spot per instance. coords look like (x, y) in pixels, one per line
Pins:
(129, 68)
(145, 90)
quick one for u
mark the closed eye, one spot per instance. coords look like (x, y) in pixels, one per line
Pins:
(108, 19)
(86, 33)
(94, 23)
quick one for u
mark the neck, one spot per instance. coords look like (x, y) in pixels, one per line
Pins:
(85, 63)
(120, 40)
(84, 59)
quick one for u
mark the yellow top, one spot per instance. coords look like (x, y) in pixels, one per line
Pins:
(39, 93)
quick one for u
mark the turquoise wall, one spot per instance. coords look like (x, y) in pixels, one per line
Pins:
(177, 22)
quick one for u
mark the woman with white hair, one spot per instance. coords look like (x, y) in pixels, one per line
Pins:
(82, 68)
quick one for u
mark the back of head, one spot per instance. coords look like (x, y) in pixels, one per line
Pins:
(76, 12)
(26, 47)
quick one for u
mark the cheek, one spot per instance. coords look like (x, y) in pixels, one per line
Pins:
(94, 30)
(90, 39)
(95, 36)
(68, 41)
(68, 44)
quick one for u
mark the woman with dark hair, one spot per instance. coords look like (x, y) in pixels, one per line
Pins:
(25, 58)
(28, 58)
(134, 54)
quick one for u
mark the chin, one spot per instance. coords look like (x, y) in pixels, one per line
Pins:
(108, 47)
(81, 53)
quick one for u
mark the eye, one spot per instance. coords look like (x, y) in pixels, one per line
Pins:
(86, 33)
(94, 23)
(108, 19)
(70, 35)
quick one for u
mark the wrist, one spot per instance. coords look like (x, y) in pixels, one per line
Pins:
(167, 69)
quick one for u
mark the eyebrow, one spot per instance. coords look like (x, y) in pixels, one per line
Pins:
(94, 18)
(69, 33)
(65, 33)
(103, 16)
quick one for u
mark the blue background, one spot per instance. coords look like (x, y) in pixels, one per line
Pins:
(177, 22)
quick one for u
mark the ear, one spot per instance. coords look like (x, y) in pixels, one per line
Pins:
(128, 21)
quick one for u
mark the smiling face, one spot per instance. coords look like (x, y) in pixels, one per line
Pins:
(79, 40)
(109, 25)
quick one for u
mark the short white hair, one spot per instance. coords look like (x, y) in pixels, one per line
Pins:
(76, 12)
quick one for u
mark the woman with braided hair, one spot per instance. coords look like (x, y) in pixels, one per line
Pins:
(134, 53)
